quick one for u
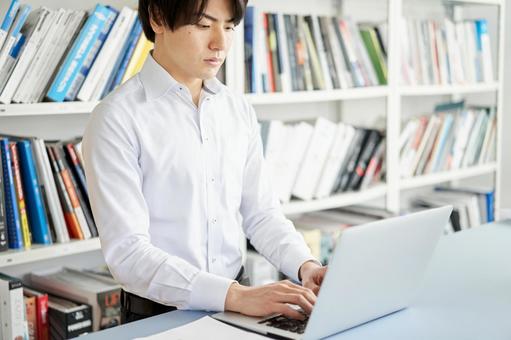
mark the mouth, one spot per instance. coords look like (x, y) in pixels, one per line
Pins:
(214, 61)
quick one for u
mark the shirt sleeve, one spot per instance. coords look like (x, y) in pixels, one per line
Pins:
(115, 180)
(264, 223)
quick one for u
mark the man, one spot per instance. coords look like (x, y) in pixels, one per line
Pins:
(173, 160)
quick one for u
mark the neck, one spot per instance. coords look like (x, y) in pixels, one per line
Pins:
(194, 85)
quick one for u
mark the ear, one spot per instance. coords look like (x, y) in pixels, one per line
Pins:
(156, 22)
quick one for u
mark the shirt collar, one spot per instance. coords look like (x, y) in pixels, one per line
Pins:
(157, 81)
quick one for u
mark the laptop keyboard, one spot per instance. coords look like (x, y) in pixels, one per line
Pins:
(287, 324)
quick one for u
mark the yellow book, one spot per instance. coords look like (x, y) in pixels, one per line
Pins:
(139, 56)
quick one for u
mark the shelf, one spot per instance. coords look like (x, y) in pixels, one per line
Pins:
(475, 2)
(37, 109)
(317, 96)
(349, 198)
(432, 90)
(440, 177)
(38, 252)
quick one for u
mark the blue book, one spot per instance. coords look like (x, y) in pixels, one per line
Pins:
(35, 206)
(485, 198)
(8, 20)
(11, 204)
(78, 53)
(76, 84)
(444, 134)
(123, 61)
(249, 49)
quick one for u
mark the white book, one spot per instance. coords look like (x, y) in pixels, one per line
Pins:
(11, 308)
(491, 154)
(445, 72)
(453, 52)
(39, 58)
(408, 70)
(343, 73)
(337, 154)
(274, 145)
(314, 160)
(285, 75)
(109, 69)
(463, 132)
(42, 19)
(55, 209)
(103, 63)
(473, 140)
(407, 134)
(426, 152)
(424, 56)
(486, 142)
(293, 152)
(416, 56)
(470, 42)
(12, 36)
(486, 57)
(320, 46)
(70, 29)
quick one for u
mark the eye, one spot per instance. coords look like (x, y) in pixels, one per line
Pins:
(202, 26)
(229, 28)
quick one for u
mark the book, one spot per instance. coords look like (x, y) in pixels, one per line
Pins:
(13, 34)
(11, 308)
(31, 316)
(4, 245)
(68, 319)
(75, 58)
(102, 294)
(8, 20)
(20, 196)
(35, 206)
(41, 302)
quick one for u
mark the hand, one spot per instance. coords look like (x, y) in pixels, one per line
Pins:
(312, 275)
(270, 299)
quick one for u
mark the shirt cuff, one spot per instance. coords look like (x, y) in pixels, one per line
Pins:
(293, 260)
(208, 292)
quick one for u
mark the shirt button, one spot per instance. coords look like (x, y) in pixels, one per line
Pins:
(212, 179)
(213, 221)
(213, 260)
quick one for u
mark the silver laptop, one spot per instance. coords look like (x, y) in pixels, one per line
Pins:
(375, 270)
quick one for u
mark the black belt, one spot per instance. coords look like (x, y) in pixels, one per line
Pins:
(142, 306)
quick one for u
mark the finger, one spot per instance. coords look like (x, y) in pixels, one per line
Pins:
(297, 299)
(320, 276)
(313, 287)
(285, 310)
(305, 291)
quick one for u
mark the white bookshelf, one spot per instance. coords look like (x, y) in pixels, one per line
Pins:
(39, 252)
(388, 99)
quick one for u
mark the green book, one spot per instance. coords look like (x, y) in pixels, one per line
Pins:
(375, 53)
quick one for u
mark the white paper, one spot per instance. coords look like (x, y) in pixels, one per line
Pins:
(204, 328)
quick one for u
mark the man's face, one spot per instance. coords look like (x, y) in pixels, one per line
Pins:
(194, 52)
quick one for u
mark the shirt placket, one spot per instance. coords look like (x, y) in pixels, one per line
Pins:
(209, 144)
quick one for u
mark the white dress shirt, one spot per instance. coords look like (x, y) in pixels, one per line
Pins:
(171, 185)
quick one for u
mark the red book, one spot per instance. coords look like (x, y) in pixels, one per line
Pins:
(16, 172)
(271, 81)
(41, 311)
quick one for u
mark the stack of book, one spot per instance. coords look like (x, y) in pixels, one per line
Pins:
(473, 206)
(317, 161)
(43, 194)
(67, 55)
(447, 140)
(302, 53)
(445, 52)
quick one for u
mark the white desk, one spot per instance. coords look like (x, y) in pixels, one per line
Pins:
(466, 294)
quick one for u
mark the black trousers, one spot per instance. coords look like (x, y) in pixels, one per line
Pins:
(134, 307)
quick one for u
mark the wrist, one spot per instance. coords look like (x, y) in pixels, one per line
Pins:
(234, 297)
(305, 268)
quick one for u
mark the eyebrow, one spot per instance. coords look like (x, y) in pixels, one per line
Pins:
(212, 18)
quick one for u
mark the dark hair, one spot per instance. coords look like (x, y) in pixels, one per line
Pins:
(176, 13)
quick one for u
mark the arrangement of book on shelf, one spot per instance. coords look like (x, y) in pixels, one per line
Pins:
(285, 52)
(67, 55)
(446, 52)
(43, 195)
(472, 206)
(452, 138)
(59, 303)
(307, 161)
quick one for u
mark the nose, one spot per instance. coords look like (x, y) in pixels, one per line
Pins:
(218, 40)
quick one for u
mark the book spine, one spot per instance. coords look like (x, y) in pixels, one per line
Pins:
(11, 308)
(27, 239)
(42, 317)
(11, 39)
(131, 43)
(11, 206)
(73, 226)
(70, 188)
(8, 20)
(90, 58)
(76, 56)
(4, 245)
(36, 214)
